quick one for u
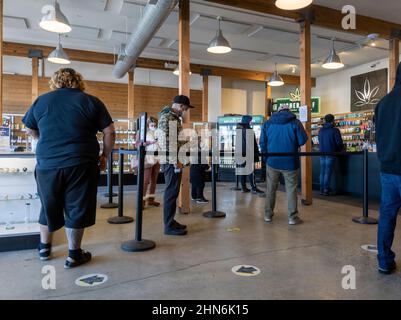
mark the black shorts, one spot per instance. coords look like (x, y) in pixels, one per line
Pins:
(68, 196)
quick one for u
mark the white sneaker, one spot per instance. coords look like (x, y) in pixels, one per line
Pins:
(294, 221)
(270, 219)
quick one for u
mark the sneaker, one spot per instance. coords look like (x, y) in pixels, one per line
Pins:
(270, 219)
(175, 232)
(294, 221)
(202, 200)
(44, 251)
(178, 225)
(72, 263)
(194, 199)
(388, 271)
(257, 191)
(245, 190)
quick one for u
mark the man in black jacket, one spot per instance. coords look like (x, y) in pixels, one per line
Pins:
(388, 120)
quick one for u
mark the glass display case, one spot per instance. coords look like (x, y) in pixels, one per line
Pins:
(19, 140)
(227, 126)
(19, 201)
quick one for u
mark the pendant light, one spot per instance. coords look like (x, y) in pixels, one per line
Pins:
(275, 80)
(292, 4)
(333, 61)
(219, 44)
(176, 71)
(54, 20)
(58, 55)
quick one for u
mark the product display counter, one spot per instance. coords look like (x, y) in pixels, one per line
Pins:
(19, 202)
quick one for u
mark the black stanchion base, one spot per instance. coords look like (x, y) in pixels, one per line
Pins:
(235, 188)
(214, 214)
(365, 220)
(137, 246)
(106, 195)
(109, 206)
(120, 220)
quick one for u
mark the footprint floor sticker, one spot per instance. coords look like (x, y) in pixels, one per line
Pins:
(370, 248)
(245, 270)
(91, 280)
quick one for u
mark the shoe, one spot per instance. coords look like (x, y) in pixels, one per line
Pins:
(175, 232)
(72, 263)
(388, 271)
(44, 251)
(270, 219)
(178, 225)
(257, 191)
(152, 202)
(194, 199)
(202, 200)
(294, 221)
(245, 190)
(326, 193)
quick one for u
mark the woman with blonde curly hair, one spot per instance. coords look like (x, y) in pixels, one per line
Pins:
(65, 121)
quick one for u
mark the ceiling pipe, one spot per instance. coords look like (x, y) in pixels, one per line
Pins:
(153, 18)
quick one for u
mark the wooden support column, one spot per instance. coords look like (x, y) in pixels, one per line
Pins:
(1, 62)
(205, 98)
(131, 95)
(35, 78)
(184, 89)
(306, 92)
(268, 99)
(394, 60)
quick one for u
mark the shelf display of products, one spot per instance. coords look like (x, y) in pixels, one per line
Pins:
(357, 130)
(18, 136)
(227, 126)
(19, 200)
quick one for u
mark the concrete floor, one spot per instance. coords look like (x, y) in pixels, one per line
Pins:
(296, 262)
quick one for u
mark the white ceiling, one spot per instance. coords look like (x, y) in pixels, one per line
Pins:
(258, 40)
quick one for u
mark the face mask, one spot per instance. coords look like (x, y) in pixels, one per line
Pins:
(152, 128)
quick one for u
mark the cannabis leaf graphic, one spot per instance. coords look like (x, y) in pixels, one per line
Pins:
(366, 97)
(296, 95)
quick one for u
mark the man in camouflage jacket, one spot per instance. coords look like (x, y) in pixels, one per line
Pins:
(169, 120)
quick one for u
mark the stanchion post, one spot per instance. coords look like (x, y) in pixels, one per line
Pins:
(120, 219)
(365, 219)
(236, 188)
(110, 194)
(139, 244)
(214, 213)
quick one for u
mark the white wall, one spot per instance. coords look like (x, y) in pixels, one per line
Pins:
(335, 89)
(214, 98)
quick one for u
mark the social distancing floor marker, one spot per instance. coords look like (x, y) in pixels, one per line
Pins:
(369, 248)
(233, 229)
(91, 280)
(245, 270)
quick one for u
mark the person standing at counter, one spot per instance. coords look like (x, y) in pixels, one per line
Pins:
(283, 132)
(65, 121)
(330, 140)
(152, 166)
(388, 119)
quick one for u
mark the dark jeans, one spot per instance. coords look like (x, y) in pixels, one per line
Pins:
(251, 181)
(197, 192)
(390, 205)
(173, 183)
(326, 170)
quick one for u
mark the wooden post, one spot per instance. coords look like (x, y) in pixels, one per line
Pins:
(35, 78)
(184, 89)
(394, 60)
(131, 95)
(306, 92)
(205, 98)
(268, 99)
(1, 62)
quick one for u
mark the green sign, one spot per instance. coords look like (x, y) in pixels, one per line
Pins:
(294, 105)
(237, 119)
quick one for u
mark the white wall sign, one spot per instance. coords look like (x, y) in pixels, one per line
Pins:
(303, 113)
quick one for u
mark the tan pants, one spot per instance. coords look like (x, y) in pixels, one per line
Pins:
(150, 181)
(291, 187)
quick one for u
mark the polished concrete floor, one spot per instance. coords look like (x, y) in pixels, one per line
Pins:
(296, 262)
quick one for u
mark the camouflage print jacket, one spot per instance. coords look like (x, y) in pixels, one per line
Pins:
(167, 118)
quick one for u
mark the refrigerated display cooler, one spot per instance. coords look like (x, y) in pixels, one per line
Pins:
(227, 126)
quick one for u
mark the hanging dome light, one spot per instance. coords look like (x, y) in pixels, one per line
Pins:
(219, 44)
(176, 71)
(333, 61)
(275, 80)
(54, 20)
(58, 55)
(292, 4)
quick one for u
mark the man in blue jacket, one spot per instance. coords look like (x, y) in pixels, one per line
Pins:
(330, 140)
(282, 133)
(388, 119)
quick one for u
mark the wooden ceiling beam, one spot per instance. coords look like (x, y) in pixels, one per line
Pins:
(324, 17)
(22, 50)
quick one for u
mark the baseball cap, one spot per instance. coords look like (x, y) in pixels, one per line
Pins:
(183, 100)
(284, 107)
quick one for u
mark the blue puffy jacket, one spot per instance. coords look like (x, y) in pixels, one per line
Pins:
(330, 139)
(283, 132)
